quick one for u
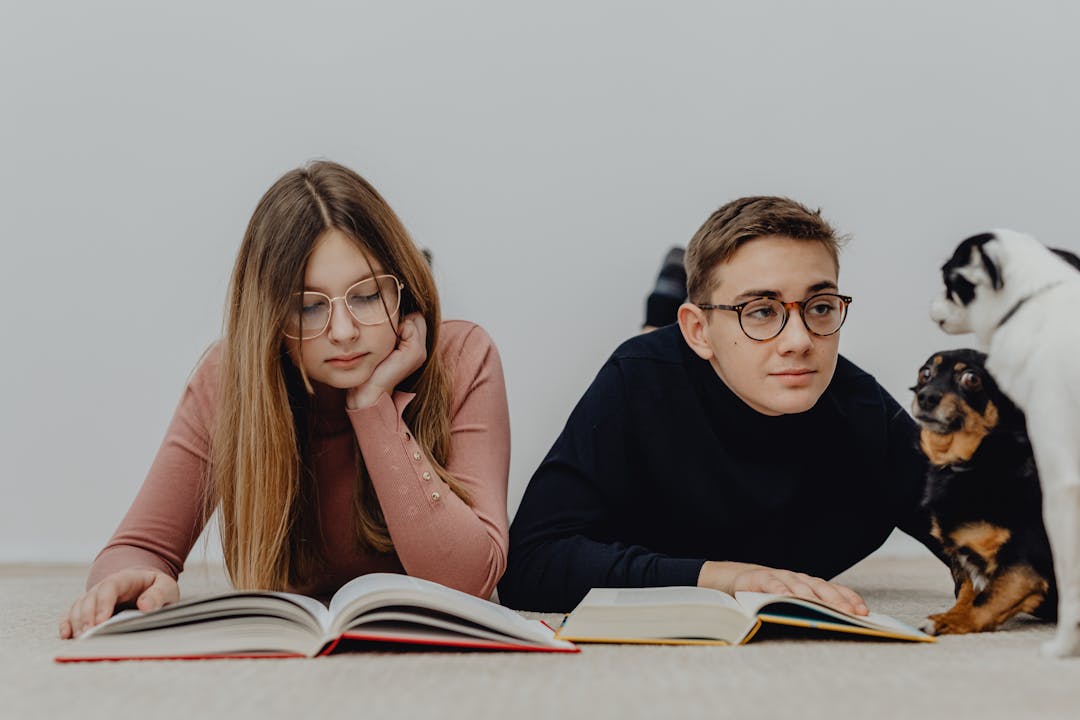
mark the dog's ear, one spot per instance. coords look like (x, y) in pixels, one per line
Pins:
(1067, 256)
(987, 254)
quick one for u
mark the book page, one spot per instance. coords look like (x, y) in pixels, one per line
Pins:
(381, 590)
(303, 611)
(784, 605)
(318, 611)
(662, 615)
(410, 623)
(243, 636)
(675, 595)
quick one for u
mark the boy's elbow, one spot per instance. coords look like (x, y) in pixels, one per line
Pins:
(524, 586)
(511, 592)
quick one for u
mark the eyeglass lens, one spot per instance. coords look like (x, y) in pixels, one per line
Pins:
(763, 318)
(363, 301)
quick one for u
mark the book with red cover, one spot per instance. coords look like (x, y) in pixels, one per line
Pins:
(373, 610)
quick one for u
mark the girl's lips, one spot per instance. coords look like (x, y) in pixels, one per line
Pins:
(346, 361)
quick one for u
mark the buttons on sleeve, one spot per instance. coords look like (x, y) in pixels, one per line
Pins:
(418, 457)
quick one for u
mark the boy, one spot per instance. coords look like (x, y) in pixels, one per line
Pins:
(734, 450)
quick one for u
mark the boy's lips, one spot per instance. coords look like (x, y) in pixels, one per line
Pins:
(795, 377)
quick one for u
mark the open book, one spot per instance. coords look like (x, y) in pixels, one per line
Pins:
(377, 608)
(701, 616)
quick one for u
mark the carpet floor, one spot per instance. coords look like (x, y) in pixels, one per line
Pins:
(986, 676)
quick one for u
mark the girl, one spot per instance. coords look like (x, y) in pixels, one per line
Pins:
(338, 428)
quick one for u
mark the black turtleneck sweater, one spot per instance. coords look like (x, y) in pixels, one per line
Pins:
(661, 467)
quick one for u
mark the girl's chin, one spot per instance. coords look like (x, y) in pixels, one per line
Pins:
(341, 380)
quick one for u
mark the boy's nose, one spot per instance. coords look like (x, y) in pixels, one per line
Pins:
(795, 337)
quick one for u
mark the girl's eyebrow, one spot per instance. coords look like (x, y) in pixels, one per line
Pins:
(816, 287)
(316, 288)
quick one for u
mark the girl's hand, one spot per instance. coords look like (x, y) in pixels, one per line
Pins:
(403, 361)
(145, 589)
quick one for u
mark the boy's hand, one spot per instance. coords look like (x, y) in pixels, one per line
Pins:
(732, 577)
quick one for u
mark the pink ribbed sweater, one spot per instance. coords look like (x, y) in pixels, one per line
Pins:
(436, 535)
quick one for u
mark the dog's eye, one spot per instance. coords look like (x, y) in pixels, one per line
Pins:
(924, 375)
(970, 380)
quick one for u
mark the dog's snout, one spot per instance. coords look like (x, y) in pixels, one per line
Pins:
(928, 399)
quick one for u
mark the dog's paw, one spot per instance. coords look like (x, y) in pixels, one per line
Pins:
(1065, 644)
(933, 625)
(948, 624)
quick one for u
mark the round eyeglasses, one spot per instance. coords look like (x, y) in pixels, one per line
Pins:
(764, 318)
(370, 302)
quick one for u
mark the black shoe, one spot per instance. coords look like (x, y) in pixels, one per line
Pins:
(662, 305)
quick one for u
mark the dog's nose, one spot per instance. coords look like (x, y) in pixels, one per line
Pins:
(928, 399)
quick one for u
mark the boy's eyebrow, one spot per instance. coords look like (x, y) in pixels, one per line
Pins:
(756, 293)
(815, 288)
(823, 285)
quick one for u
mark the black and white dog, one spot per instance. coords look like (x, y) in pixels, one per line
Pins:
(1022, 301)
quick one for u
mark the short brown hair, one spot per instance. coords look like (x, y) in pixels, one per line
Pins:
(743, 220)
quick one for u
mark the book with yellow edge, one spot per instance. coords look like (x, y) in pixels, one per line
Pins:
(701, 616)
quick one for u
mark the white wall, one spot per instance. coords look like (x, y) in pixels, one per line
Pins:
(548, 153)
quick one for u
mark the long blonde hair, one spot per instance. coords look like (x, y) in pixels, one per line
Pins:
(261, 473)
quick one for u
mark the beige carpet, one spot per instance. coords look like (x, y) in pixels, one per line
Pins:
(994, 675)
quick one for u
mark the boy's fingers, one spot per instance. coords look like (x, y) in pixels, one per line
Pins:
(853, 597)
(830, 595)
(775, 585)
(803, 590)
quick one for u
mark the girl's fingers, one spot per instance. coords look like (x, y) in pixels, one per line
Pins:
(107, 592)
(99, 602)
(87, 610)
(72, 619)
(161, 592)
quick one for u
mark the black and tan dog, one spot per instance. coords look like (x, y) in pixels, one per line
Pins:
(983, 494)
